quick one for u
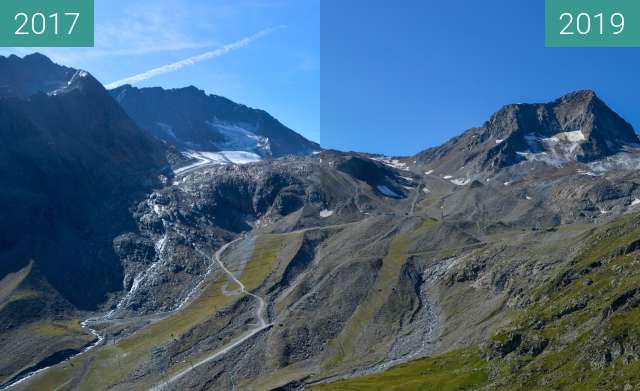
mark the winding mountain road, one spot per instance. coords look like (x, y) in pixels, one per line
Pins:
(262, 323)
(260, 312)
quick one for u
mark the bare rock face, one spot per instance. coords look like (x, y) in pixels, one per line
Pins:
(577, 127)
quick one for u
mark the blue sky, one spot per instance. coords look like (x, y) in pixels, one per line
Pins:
(278, 72)
(398, 79)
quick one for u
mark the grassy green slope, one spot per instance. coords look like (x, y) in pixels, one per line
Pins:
(117, 364)
(345, 345)
(459, 370)
(29, 331)
(581, 331)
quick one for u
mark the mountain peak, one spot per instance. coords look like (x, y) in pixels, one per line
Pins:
(579, 95)
(36, 73)
(576, 112)
(579, 101)
(81, 81)
(37, 57)
(576, 127)
(31, 74)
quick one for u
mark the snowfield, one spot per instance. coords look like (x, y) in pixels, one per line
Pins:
(394, 163)
(460, 181)
(241, 157)
(554, 151)
(217, 158)
(572, 137)
(326, 213)
(240, 137)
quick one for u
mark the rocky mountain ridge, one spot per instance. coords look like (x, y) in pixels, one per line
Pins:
(24, 77)
(475, 266)
(577, 127)
(192, 120)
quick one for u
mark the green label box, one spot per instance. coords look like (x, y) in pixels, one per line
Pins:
(592, 23)
(46, 23)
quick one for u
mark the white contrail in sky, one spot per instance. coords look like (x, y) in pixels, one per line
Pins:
(176, 66)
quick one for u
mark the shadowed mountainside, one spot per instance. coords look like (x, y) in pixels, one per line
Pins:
(190, 119)
(71, 163)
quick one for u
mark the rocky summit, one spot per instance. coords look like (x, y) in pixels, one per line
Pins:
(505, 259)
(577, 127)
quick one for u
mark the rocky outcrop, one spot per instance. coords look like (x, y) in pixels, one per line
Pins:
(576, 127)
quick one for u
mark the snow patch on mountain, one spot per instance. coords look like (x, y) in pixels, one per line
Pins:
(225, 157)
(587, 173)
(69, 85)
(240, 137)
(556, 150)
(326, 213)
(241, 157)
(160, 245)
(394, 163)
(460, 181)
(203, 158)
(572, 137)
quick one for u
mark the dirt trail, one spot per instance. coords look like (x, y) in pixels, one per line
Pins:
(262, 323)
